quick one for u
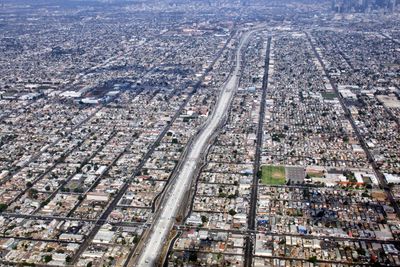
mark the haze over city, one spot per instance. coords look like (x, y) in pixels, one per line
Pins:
(200, 133)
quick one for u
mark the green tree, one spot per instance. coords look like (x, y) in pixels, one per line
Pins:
(3, 207)
(193, 256)
(232, 212)
(47, 258)
(313, 259)
(136, 239)
(68, 259)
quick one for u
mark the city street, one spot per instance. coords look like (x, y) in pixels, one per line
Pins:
(165, 221)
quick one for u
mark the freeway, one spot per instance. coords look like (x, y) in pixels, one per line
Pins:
(114, 202)
(175, 195)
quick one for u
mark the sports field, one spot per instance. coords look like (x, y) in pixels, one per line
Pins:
(273, 175)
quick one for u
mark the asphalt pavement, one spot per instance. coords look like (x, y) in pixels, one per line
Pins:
(165, 221)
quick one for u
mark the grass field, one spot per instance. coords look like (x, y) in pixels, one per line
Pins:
(273, 175)
(328, 95)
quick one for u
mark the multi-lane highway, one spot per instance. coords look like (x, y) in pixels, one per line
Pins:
(176, 193)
